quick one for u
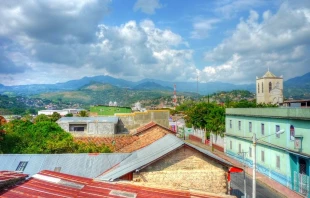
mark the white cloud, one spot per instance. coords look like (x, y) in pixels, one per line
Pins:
(280, 41)
(230, 8)
(147, 6)
(202, 27)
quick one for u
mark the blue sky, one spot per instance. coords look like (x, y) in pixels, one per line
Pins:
(175, 40)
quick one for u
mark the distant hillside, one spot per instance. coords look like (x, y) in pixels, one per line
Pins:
(151, 86)
(98, 93)
(296, 87)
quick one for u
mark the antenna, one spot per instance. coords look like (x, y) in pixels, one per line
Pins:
(175, 95)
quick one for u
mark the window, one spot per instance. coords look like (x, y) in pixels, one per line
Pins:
(239, 125)
(278, 162)
(278, 129)
(250, 126)
(250, 152)
(239, 148)
(263, 128)
(270, 86)
(292, 132)
(257, 87)
(262, 87)
(230, 124)
(262, 156)
(230, 144)
(77, 127)
(21, 166)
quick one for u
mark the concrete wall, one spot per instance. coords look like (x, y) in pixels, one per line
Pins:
(93, 128)
(185, 168)
(134, 120)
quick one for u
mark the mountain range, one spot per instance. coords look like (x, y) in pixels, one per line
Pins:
(298, 87)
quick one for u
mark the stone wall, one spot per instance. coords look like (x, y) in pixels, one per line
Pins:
(185, 168)
(134, 120)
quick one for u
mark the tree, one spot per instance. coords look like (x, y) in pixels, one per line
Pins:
(41, 118)
(23, 136)
(83, 114)
(69, 115)
(55, 116)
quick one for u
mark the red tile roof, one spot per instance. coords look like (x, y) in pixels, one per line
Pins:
(149, 126)
(54, 184)
(120, 141)
(142, 137)
(146, 138)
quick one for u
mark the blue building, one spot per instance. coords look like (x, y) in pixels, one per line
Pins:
(284, 157)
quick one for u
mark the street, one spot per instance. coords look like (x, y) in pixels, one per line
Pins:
(262, 191)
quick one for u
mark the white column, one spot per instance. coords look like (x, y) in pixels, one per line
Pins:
(254, 167)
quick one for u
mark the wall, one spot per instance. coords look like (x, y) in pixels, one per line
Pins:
(273, 146)
(93, 128)
(185, 168)
(266, 96)
(267, 167)
(129, 121)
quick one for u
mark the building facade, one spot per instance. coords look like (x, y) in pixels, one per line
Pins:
(269, 89)
(285, 157)
(85, 126)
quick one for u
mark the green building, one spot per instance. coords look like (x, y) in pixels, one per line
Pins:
(103, 110)
(285, 157)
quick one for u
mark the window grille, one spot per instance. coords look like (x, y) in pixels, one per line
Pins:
(21, 166)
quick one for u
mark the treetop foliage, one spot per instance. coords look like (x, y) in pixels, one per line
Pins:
(42, 137)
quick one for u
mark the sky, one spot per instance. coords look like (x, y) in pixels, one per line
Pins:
(51, 41)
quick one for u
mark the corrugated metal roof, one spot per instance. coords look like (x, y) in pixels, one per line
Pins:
(143, 156)
(85, 165)
(149, 154)
(53, 184)
(112, 119)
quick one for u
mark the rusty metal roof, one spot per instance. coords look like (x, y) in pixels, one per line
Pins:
(53, 184)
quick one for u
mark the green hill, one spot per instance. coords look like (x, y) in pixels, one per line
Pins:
(99, 93)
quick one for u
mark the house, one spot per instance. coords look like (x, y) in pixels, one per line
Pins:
(284, 157)
(305, 103)
(170, 162)
(269, 89)
(89, 125)
(137, 139)
(156, 159)
(50, 112)
(54, 184)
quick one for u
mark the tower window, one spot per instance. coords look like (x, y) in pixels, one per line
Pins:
(257, 87)
(262, 87)
(270, 86)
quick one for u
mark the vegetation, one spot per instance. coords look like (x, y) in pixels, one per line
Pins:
(208, 116)
(211, 116)
(100, 93)
(43, 136)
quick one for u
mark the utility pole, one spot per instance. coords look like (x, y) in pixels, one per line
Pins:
(244, 166)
